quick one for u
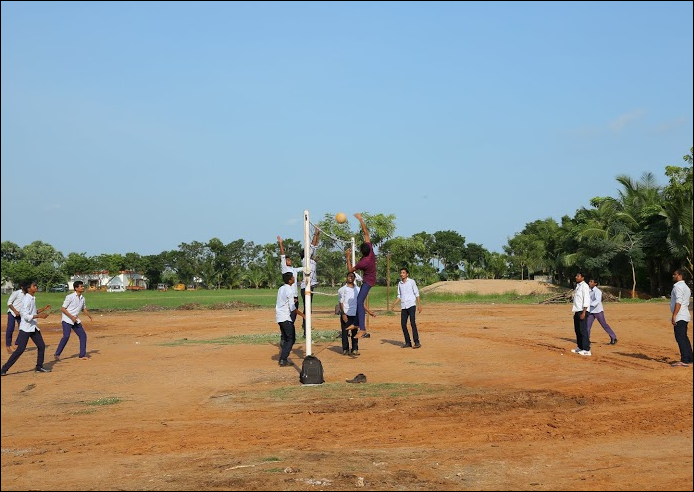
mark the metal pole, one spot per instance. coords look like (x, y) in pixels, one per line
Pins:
(307, 280)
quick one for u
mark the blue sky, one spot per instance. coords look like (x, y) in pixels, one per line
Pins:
(137, 126)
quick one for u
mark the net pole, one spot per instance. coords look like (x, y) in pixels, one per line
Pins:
(354, 252)
(307, 279)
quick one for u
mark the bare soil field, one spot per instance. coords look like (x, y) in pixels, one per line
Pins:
(494, 400)
(497, 286)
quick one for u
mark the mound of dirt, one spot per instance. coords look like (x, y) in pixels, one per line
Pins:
(493, 286)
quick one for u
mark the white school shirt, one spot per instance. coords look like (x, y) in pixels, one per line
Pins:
(681, 294)
(295, 271)
(285, 304)
(408, 293)
(581, 297)
(348, 298)
(595, 301)
(74, 304)
(16, 299)
(314, 275)
(29, 324)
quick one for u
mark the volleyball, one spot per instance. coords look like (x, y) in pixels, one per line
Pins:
(341, 218)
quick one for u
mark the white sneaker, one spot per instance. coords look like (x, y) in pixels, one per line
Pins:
(576, 350)
(585, 352)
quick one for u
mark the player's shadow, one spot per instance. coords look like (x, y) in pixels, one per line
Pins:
(661, 360)
(73, 356)
(392, 342)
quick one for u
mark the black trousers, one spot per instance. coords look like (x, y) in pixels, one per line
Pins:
(22, 340)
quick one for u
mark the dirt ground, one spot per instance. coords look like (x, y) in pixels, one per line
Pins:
(494, 400)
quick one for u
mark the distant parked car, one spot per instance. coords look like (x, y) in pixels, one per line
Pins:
(59, 288)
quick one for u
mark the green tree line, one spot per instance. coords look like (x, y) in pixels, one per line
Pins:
(633, 240)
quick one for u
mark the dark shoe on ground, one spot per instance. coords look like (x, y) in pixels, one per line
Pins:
(417, 345)
(42, 369)
(406, 345)
(613, 341)
(367, 335)
(283, 363)
(3, 373)
(359, 378)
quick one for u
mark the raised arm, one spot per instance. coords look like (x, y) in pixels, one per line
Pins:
(367, 239)
(348, 254)
(279, 240)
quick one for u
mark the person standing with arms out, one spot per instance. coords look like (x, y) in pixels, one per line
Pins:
(313, 277)
(14, 316)
(286, 266)
(283, 316)
(29, 328)
(72, 307)
(596, 311)
(367, 264)
(580, 307)
(679, 306)
(408, 295)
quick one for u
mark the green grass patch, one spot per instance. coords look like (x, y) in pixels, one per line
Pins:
(242, 299)
(365, 390)
(256, 339)
(475, 298)
(109, 400)
(272, 458)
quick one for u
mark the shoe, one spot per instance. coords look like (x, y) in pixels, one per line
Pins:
(613, 341)
(366, 335)
(359, 378)
(283, 363)
(3, 373)
(345, 352)
(679, 364)
(585, 352)
(86, 357)
(42, 369)
(417, 345)
(576, 350)
(355, 352)
(406, 345)
(56, 358)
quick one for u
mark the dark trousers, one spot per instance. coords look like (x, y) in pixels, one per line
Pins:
(303, 300)
(409, 313)
(347, 334)
(683, 342)
(603, 322)
(12, 321)
(361, 309)
(581, 329)
(22, 340)
(287, 338)
(296, 306)
(67, 329)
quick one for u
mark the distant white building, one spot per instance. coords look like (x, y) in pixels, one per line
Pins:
(104, 280)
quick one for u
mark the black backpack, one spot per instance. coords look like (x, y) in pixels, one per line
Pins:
(311, 371)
